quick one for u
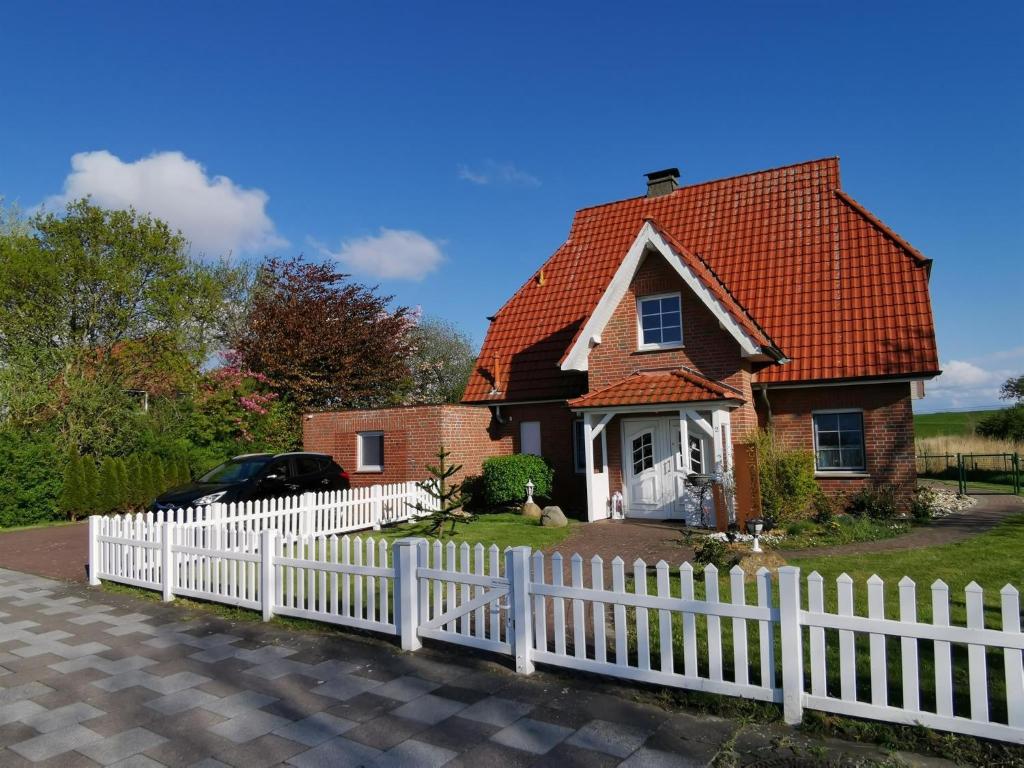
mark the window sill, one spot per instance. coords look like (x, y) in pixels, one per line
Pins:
(662, 348)
(842, 474)
(370, 471)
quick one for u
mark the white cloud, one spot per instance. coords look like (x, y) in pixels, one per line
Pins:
(393, 254)
(491, 172)
(214, 213)
(964, 384)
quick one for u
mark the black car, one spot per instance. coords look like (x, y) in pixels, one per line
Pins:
(257, 476)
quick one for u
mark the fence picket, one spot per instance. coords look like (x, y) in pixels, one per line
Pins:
(600, 630)
(665, 620)
(741, 660)
(1012, 666)
(766, 629)
(465, 566)
(540, 613)
(558, 605)
(908, 646)
(494, 630)
(579, 630)
(976, 664)
(714, 624)
(816, 604)
(847, 641)
(643, 641)
(689, 622)
(876, 643)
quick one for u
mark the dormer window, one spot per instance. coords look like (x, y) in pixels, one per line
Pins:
(659, 321)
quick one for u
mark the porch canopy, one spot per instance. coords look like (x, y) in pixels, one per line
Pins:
(685, 393)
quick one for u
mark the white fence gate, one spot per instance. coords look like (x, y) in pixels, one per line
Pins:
(770, 643)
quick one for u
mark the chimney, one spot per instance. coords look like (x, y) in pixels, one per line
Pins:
(662, 182)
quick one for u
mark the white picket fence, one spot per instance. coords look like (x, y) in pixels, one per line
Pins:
(771, 643)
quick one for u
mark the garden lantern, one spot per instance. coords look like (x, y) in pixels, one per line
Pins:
(754, 528)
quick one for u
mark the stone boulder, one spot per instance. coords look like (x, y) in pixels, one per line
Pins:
(553, 517)
(531, 509)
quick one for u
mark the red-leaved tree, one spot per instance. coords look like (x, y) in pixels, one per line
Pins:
(322, 341)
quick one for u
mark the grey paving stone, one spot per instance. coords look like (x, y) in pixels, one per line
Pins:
(345, 687)
(181, 701)
(656, 758)
(121, 746)
(336, 753)
(496, 711)
(414, 754)
(23, 691)
(48, 745)
(248, 726)
(234, 705)
(532, 736)
(18, 711)
(315, 729)
(429, 709)
(209, 762)
(213, 655)
(406, 688)
(610, 738)
(62, 717)
(137, 761)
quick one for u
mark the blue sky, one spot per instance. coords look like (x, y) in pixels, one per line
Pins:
(463, 137)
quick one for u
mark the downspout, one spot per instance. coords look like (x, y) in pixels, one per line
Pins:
(767, 403)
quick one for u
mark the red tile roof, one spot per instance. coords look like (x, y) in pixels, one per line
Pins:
(835, 289)
(653, 387)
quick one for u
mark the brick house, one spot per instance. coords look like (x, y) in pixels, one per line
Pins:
(667, 328)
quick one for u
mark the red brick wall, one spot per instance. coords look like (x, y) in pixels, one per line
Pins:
(412, 434)
(411, 439)
(888, 428)
(708, 349)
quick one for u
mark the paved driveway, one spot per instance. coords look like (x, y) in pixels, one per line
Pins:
(95, 678)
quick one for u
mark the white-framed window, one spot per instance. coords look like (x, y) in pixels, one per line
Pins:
(839, 441)
(696, 454)
(529, 437)
(370, 452)
(659, 321)
(579, 447)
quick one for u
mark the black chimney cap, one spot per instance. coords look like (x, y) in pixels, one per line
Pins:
(667, 173)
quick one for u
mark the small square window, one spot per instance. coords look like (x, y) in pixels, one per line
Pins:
(839, 442)
(661, 322)
(370, 451)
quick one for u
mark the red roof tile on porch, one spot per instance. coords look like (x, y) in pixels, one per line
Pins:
(654, 387)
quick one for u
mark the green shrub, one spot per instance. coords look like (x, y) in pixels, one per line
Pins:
(826, 506)
(1007, 424)
(922, 504)
(713, 551)
(787, 481)
(878, 503)
(505, 478)
(90, 487)
(108, 499)
(135, 482)
(31, 480)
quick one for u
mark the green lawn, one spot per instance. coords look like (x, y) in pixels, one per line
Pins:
(947, 423)
(506, 529)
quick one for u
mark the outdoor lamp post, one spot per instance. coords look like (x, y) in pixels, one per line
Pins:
(754, 527)
(529, 491)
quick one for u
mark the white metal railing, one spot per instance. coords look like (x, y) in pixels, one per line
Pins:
(771, 642)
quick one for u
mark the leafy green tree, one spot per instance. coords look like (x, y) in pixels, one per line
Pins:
(184, 473)
(121, 478)
(94, 303)
(440, 362)
(90, 487)
(107, 497)
(135, 482)
(72, 497)
(1008, 423)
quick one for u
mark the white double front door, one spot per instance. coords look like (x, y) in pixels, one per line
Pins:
(655, 470)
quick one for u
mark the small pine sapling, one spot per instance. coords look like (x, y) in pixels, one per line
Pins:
(446, 498)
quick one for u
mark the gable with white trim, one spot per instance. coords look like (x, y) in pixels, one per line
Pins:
(650, 244)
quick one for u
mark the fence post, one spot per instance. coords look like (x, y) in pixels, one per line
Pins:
(307, 510)
(792, 645)
(166, 565)
(407, 609)
(377, 506)
(520, 626)
(94, 550)
(268, 545)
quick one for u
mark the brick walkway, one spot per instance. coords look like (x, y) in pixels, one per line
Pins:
(95, 678)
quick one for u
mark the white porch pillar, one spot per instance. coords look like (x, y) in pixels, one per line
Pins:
(597, 482)
(684, 441)
(721, 424)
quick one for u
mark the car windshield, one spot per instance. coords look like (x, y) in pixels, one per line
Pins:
(236, 470)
